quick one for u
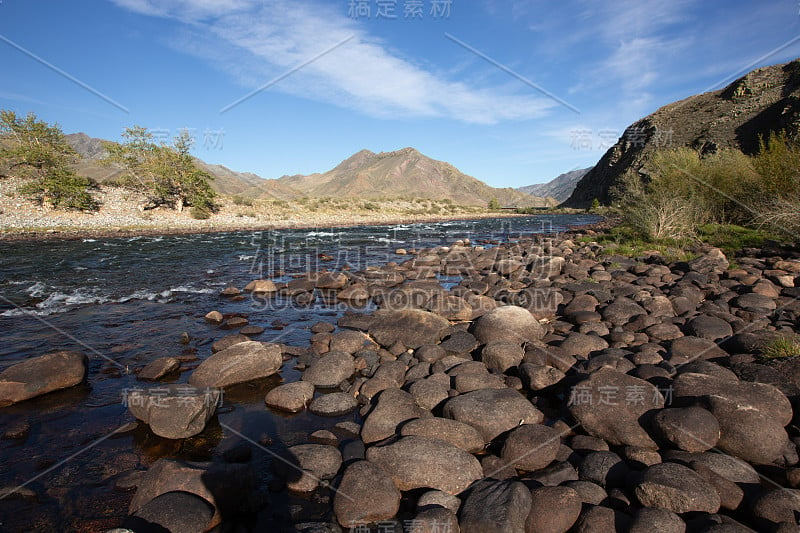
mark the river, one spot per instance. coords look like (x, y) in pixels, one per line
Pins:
(127, 301)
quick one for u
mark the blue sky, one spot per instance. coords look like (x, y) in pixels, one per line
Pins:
(512, 92)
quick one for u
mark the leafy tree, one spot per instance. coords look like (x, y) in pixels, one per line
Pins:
(33, 149)
(166, 174)
(494, 205)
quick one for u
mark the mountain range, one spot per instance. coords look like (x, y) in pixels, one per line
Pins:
(763, 101)
(560, 188)
(403, 173)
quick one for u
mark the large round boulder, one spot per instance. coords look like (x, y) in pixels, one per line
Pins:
(422, 462)
(531, 447)
(330, 369)
(174, 411)
(611, 406)
(410, 327)
(290, 397)
(40, 375)
(241, 362)
(366, 494)
(492, 411)
(508, 323)
(676, 488)
(393, 407)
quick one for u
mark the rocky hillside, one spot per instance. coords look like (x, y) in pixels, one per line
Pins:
(560, 188)
(404, 173)
(765, 100)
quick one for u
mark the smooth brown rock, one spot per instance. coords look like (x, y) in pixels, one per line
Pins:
(159, 368)
(241, 362)
(531, 447)
(290, 397)
(421, 462)
(492, 411)
(330, 369)
(456, 433)
(553, 510)
(174, 411)
(610, 405)
(40, 375)
(676, 488)
(366, 494)
(222, 485)
(261, 286)
(394, 406)
(412, 327)
(509, 323)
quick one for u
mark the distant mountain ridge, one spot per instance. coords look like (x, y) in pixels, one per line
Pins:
(559, 188)
(404, 173)
(763, 101)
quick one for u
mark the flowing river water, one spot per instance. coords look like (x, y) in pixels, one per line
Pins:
(127, 301)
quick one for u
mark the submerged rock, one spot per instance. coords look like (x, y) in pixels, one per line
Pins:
(40, 375)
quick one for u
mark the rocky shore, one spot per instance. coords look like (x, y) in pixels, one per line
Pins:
(552, 389)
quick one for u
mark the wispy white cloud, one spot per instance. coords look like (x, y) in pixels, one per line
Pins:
(625, 46)
(255, 41)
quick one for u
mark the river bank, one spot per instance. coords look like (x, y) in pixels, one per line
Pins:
(120, 215)
(533, 385)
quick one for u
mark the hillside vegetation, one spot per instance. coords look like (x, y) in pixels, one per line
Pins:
(40, 154)
(686, 190)
(755, 106)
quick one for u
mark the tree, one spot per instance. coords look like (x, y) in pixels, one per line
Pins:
(33, 149)
(494, 205)
(167, 174)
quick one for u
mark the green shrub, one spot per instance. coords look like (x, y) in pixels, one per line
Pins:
(659, 209)
(62, 189)
(778, 164)
(787, 345)
(241, 200)
(200, 212)
(31, 148)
